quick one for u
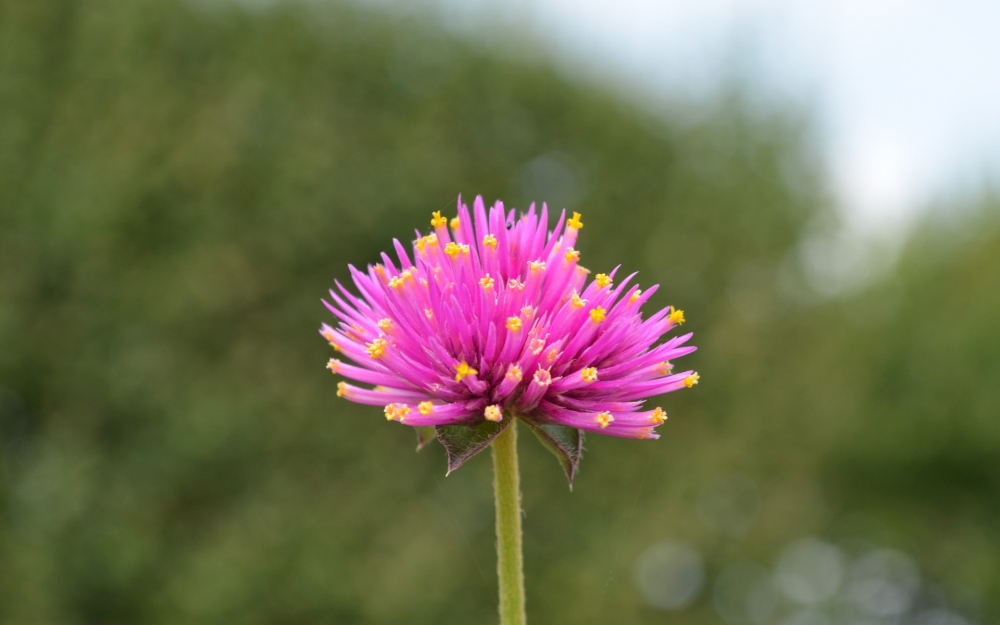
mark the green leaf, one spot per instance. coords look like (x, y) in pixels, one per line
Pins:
(465, 441)
(565, 443)
(425, 434)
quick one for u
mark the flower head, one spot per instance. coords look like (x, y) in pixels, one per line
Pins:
(493, 316)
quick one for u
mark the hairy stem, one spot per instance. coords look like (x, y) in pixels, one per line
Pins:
(507, 492)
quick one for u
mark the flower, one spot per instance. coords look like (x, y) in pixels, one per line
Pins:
(494, 317)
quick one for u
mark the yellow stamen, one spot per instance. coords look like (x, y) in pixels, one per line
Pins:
(552, 354)
(658, 416)
(542, 377)
(515, 285)
(390, 412)
(691, 380)
(423, 242)
(514, 324)
(490, 241)
(493, 413)
(527, 312)
(514, 373)
(437, 220)
(401, 411)
(396, 282)
(578, 302)
(572, 255)
(589, 374)
(376, 349)
(425, 408)
(536, 266)
(334, 365)
(665, 368)
(598, 314)
(341, 389)
(452, 249)
(604, 419)
(385, 324)
(462, 370)
(575, 222)
(455, 223)
(635, 296)
(486, 283)
(537, 345)
(676, 316)
(602, 280)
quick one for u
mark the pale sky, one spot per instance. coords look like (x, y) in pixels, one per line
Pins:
(906, 94)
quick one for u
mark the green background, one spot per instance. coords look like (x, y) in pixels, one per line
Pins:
(181, 182)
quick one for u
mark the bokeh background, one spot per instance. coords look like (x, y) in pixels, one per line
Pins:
(180, 182)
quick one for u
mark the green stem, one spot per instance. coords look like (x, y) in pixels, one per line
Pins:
(507, 492)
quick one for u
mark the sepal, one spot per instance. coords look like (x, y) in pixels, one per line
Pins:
(425, 434)
(465, 441)
(565, 443)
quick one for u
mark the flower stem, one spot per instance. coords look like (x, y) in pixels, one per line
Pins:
(507, 492)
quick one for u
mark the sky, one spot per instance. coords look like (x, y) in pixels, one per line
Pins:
(906, 95)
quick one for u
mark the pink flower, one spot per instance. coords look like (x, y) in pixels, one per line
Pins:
(492, 318)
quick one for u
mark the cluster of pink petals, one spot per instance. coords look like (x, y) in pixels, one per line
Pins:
(493, 317)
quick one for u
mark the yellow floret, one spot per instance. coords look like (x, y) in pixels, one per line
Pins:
(589, 374)
(658, 416)
(513, 324)
(401, 411)
(493, 413)
(575, 222)
(462, 370)
(598, 314)
(604, 419)
(376, 349)
(691, 380)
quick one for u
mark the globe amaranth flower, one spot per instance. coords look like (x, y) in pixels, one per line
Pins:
(494, 317)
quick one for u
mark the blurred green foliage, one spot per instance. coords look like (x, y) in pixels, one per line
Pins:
(180, 183)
